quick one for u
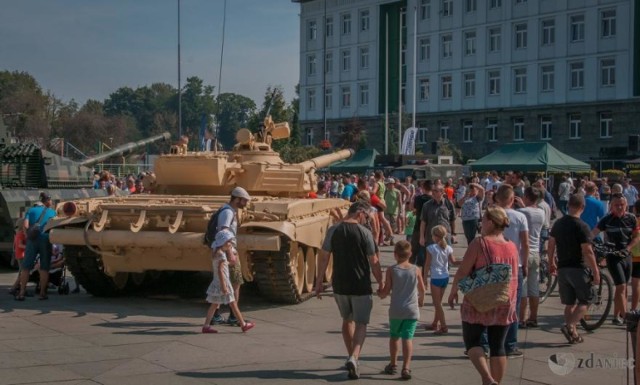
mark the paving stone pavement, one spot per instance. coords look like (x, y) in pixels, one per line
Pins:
(154, 339)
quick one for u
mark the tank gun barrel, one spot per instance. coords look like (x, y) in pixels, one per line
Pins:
(124, 149)
(325, 160)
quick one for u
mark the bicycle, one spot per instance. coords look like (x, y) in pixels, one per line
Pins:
(547, 281)
(600, 307)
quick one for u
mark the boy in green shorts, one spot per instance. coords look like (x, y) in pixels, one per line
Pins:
(405, 284)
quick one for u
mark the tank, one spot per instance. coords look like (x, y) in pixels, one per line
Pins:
(113, 244)
(26, 170)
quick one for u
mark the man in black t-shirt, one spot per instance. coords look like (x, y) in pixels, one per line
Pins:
(570, 237)
(618, 226)
(354, 259)
(417, 251)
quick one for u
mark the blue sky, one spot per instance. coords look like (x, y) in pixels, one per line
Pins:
(86, 49)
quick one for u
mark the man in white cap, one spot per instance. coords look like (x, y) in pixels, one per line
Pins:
(228, 219)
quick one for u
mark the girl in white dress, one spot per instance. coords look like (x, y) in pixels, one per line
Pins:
(220, 290)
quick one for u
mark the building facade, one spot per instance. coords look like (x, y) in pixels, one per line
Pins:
(477, 73)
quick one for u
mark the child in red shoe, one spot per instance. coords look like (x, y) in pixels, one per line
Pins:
(220, 290)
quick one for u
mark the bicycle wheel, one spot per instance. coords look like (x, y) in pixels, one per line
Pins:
(599, 310)
(547, 282)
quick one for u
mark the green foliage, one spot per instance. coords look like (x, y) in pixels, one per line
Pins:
(292, 153)
(234, 112)
(634, 174)
(446, 148)
(353, 135)
(613, 175)
(592, 174)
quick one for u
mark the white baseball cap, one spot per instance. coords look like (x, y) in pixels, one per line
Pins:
(222, 237)
(239, 192)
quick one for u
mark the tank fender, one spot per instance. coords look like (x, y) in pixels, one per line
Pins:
(286, 228)
(61, 222)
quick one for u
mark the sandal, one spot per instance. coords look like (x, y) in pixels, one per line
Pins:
(577, 339)
(405, 374)
(532, 323)
(441, 331)
(19, 297)
(391, 369)
(567, 333)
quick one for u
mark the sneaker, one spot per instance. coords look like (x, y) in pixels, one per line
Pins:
(352, 367)
(208, 330)
(515, 354)
(618, 321)
(217, 320)
(248, 326)
(233, 321)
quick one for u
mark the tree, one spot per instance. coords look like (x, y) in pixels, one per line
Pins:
(234, 112)
(353, 135)
(24, 106)
(197, 101)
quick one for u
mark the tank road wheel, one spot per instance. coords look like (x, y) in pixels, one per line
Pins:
(88, 271)
(310, 263)
(278, 274)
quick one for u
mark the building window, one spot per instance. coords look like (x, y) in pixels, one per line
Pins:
(495, 4)
(446, 87)
(521, 36)
(364, 57)
(576, 28)
(577, 75)
(469, 85)
(575, 126)
(548, 32)
(520, 80)
(328, 62)
(608, 23)
(521, 1)
(346, 24)
(346, 60)
(467, 131)
(545, 128)
(470, 5)
(311, 65)
(444, 131)
(424, 89)
(328, 98)
(309, 136)
(425, 9)
(494, 82)
(364, 20)
(328, 27)
(422, 135)
(495, 39)
(446, 46)
(470, 43)
(312, 32)
(608, 72)
(492, 130)
(518, 129)
(311, 100)
(547, 76)
(606, 122)
(447, 7)
(346, 97)
(364, 95)
(425, 49)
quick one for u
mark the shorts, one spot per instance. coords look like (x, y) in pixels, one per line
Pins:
(40, 247)
(635, 269)
(402, 328)
(531, 283)
(620, 270)
(574, 284)
(235, 274)
(440, 282)
(356, 308)
(472, 335)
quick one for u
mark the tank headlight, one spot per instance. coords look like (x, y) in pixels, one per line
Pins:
(69, 209)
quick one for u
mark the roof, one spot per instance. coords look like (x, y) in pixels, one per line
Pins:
(529, 157)
(363, 160)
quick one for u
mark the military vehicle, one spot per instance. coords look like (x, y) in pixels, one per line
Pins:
(112, 244)
(26, 170)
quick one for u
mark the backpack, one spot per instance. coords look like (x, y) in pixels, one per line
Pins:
(212, 227)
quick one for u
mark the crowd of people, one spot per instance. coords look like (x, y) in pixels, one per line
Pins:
(505, 219)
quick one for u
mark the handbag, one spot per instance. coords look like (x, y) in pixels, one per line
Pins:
(33, 232)
(487, 287)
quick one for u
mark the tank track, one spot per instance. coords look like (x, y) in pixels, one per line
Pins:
(87, 269)
(274, 276)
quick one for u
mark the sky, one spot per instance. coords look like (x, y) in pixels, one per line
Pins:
(87, 49)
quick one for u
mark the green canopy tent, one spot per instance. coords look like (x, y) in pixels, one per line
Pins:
(529, 157)
(361, 161)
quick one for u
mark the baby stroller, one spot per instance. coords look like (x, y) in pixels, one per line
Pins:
(57, 272)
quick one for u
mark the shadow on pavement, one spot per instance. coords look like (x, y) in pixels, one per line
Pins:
(283, 374)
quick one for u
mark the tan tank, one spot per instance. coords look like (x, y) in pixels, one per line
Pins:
(113, 244)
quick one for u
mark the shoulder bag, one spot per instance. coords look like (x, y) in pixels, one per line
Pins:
(33, 232)
(487, 287)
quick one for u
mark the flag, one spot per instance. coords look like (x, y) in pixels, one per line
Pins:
(409, 141)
